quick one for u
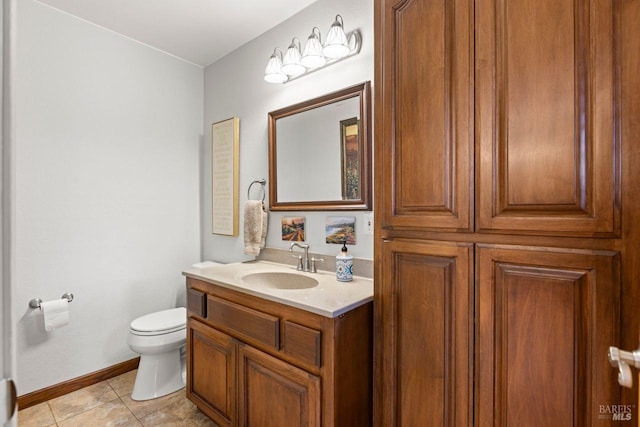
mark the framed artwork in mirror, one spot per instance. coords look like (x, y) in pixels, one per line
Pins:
(350, 158)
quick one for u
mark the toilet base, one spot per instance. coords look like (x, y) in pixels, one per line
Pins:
(159, 375)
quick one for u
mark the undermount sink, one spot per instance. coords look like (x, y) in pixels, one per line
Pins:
(280, 280)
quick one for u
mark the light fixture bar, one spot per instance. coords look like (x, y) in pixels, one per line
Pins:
(315, 56)
(356, 50)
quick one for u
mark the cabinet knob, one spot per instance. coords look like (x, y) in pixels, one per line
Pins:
(623, 360)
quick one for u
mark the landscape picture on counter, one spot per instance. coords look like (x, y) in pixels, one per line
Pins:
(293, 228)
(341, 228)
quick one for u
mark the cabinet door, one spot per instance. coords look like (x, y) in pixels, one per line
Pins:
(273, 393)
(211, 372)
(545, 320)
(424, 131)
(424, 326)
(546, 106)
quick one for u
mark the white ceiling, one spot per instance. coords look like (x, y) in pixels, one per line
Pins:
(198, 31)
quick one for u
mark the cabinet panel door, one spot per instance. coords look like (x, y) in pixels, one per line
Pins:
(424, 324)
(545, 320)
(212, 355)
(423, 103)
(546, 106)
(273, 393)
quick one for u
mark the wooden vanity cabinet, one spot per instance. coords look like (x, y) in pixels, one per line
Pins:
(212, 355)
(254, 362)
(275, 393)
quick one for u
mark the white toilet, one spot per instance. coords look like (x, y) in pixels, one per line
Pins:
(160, 339)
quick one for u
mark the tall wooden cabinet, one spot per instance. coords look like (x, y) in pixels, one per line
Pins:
(546, 97)
(506, 240)
(425, 355)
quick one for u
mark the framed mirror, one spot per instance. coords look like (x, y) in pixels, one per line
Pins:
(320, 153)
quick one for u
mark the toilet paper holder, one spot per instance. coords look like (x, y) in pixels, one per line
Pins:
(36, 302)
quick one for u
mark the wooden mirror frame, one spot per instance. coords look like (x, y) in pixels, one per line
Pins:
(365, 201)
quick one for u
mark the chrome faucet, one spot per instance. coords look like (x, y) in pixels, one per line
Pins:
(303, 260)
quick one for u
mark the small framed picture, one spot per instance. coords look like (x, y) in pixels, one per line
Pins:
(341, 228)
(293, 228)
(350, 153)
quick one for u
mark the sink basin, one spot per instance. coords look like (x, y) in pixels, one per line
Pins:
(280, 280)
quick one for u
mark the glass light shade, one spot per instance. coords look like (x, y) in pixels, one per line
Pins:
(354, 42)
(312, 56)
(291, 62)
(336, 45)
(273, 73)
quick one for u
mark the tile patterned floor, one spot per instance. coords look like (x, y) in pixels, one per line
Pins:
(109, 403)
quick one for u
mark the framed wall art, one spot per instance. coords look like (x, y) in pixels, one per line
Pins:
(225, 153)
(293, 228)
(340, 228)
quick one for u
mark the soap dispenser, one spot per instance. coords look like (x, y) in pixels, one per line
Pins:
(344, 264)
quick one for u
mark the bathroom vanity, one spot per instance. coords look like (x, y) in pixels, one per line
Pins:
(270, 346)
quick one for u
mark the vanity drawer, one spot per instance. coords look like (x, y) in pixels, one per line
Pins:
(197, 302)
(305, 344)
(244, 321)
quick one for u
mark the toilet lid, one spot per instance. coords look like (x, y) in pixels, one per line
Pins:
(161, 321)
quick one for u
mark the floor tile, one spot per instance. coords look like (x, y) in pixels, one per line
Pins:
(81, 400)
(36, 416)
(142, 408)
(109, 403)
(123, 384)
(178, 414)
(110, 414)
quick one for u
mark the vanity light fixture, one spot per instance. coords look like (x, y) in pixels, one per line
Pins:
(291, 65)
(315, 55)
(273, 73)
(312, 56)
(336, 45)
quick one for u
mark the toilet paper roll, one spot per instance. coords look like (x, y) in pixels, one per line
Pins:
(55, 314)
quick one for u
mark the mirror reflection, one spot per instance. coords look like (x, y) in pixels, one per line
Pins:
(322, 146)
(320, 153)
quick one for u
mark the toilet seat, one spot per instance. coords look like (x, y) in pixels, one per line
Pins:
(160, 323)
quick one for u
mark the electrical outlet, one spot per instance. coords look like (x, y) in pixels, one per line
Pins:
(368, 224)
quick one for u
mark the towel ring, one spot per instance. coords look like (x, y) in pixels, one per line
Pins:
(257, 181)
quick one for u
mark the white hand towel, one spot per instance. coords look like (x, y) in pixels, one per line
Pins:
(255, 227)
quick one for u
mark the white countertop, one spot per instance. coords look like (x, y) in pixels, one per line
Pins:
(330, 298)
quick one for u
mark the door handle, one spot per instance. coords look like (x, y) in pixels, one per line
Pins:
(11, 399)
(624, 360)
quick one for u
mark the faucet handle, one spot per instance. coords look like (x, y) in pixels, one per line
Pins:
(313, 268)
(299, 266)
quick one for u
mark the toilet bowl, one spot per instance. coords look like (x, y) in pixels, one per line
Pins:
(160, 339)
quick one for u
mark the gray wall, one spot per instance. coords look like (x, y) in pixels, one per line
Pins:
(234, 86)
(108, 135)
(113, 178)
